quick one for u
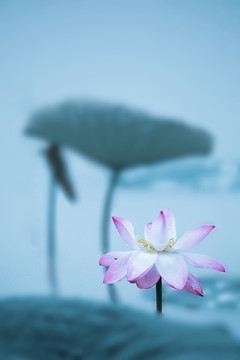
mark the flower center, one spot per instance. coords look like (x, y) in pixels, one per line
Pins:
(171, 243)
(148, 247)
(144, 245)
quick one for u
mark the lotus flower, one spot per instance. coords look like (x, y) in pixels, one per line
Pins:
(158, 255)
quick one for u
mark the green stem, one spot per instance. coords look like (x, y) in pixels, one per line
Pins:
(105, 226)
(159, 296)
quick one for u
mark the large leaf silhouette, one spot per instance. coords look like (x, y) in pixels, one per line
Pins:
(117, 136)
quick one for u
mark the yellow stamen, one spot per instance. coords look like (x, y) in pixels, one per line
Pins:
(150, 248)
(171, 242)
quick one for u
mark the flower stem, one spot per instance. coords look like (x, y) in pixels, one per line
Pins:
(159, 296)
(51, 246)
(105, 226)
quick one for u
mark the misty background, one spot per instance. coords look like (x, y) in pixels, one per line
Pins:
(170, 58)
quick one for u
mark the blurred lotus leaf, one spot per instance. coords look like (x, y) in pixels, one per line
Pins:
(43, 328)
(117, 136)
(57, 164)
(197, 174)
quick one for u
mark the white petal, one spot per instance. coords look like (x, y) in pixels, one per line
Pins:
(170, 224)
(126, 230)
(158, 234)
(173, 269)
(148, 227)
(139, 263)
(117, 270)
(193, 237)
(108, 258)
(203, 261)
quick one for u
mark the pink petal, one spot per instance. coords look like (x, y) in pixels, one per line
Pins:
(126, 230)
(170, 224)
(148, 227)
(108, 258)
(173, 269)
(203, 261)
(117, 270)
(139, 264)
(158, 235)
(193, 286)
(193, 237)
(149, 279)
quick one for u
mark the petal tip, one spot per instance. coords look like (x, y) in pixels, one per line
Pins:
(181, 287)
(220, 267)
(130, 279)
(101, 262)
(117, 218)
(106, 280)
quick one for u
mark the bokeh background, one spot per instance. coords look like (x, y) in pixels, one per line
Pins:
(169, 58)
